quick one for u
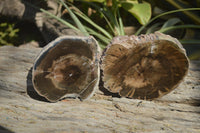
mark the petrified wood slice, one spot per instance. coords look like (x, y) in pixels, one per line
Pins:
(144, 67)
(67, 67)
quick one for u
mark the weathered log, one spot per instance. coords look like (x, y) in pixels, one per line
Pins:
(143, 67)
(22, 110)
(67, 67)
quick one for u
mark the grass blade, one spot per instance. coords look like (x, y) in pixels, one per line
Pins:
(104, 12)
(109, 24)
(179, 27)
(121, 26)
(109, 14)
(113, 19)
(98, 35)
(171, 22)
(153, 28)
(112, 22)
(178, 5)
(60, 19)
(104, 41)
(166, 13)
(88, 20)
(76, 20)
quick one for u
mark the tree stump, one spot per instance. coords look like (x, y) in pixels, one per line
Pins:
(22, 110)
(143, 67)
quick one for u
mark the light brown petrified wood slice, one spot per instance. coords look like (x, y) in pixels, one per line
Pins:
(144, 67)
(67, 67)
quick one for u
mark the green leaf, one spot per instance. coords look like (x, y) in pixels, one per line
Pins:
(3, 24)
(141, 11)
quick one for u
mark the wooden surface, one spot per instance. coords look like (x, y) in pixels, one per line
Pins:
(23, 111)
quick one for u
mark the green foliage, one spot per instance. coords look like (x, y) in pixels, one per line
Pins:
(169, 25)
(102, 34)
(141, 11)
(8, 34)
(135, 7)
(76, 20)
(110, 14)
(167, 13)
(181, 4)
(114, 21)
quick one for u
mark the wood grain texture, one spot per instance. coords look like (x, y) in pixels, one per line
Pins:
(143, 67)
(22, 110)
(67, 67)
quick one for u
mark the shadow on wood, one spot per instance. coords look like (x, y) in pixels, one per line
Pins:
(105, 91)
(4, 130)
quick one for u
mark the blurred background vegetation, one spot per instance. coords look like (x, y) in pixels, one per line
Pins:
(105, 19)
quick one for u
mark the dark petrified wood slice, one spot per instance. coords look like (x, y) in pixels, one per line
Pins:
(67, 67)
(144, 67)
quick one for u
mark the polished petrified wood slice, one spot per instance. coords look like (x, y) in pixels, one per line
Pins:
(67, 67)
(144, 67)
